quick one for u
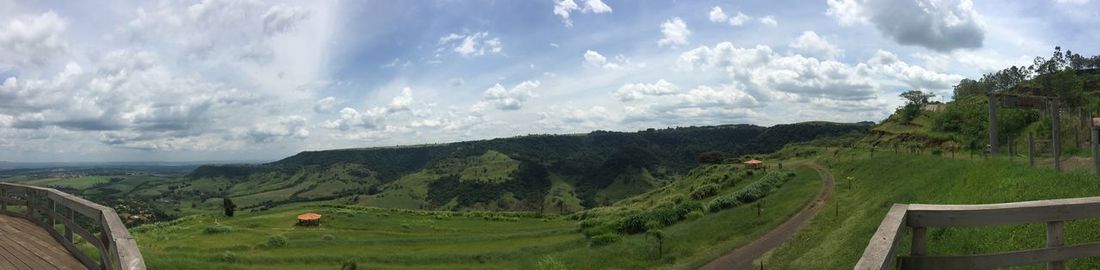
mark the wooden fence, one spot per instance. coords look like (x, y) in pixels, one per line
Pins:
(881, 252)
(48, 208)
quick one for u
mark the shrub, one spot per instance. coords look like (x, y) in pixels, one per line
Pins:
(349, 265)
(632, 224)
(228, 257)
(683, 209)
(328, 237)
(604, 239)
(937, 151)
(217, 229)
(695, 215)
(549, 263)
(704, 191)
(723, 203)
(664, 215)
(277, 240)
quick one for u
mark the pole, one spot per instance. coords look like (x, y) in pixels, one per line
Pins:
(1056, 135)
(1093, 145)
(1031, 149)
(992, 124)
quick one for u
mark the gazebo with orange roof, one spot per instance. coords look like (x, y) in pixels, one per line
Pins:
(309, 219)
(754, 164)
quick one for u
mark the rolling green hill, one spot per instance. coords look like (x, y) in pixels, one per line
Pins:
(512, 174)
(391, 238)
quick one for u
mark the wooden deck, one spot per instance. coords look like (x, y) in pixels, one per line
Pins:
(26, 246)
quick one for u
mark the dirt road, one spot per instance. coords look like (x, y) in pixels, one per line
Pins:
(741, 258)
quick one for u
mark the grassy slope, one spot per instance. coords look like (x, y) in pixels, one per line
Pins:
(833, 242)
(400, 239)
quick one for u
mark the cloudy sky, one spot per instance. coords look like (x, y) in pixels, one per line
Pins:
(260, 80)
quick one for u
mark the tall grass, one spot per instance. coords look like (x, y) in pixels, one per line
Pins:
(835, 241)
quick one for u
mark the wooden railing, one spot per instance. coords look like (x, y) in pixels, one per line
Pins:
(881, 250)
(48, 208)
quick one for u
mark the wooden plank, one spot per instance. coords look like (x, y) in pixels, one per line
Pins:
(40, 240)
(117, 246)
(882, 248)
(123, 244)
(997, 260)
(1055, 239)
(925, 215)
(21, 246)
(918, 243)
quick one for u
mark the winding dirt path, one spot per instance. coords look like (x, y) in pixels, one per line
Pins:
(742, 257)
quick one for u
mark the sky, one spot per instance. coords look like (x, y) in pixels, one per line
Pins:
(261, 80)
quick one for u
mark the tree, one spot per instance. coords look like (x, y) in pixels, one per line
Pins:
(710, 157)
(969, 88)
(228, 206)
(917, 97)
(914, 102)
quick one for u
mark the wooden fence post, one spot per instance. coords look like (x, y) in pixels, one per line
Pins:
(919, 246)
(1093, 145)
(1056, 135)
(1055, 239)
(1031, 149)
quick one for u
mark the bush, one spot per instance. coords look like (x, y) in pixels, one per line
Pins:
(217, 229)
(632, 224)
(937, 151)
(604, 239)
(228, 257)
(549, 263)
(349, 265)
(328, 237)
(755, 191)
(277, 240)
(695, 215)
(704, 191)
(723, 203)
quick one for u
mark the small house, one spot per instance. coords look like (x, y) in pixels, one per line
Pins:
(309, 219)
(754, 164)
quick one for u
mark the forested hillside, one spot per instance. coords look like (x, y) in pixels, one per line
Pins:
(533, 172)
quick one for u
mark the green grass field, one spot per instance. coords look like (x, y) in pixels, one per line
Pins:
(378, 238)
(74, 183)
(837, 242)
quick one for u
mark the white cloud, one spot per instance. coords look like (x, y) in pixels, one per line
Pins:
(769, 21)
(635, 91)
(916, 77)
(810, 42)
(769, 76)
(702, 104)
(595, 59)
(674, 32)
(476, 44)
(563, 8)
(739, 19)
(31, 41)
(507, 99)
(282, 18)
(570, 118)
(940, 25)
(287, 127)
(325, 105)
(375, 117)
(717, 15)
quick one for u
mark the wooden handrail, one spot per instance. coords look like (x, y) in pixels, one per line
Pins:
(880, 251)
(47, 207)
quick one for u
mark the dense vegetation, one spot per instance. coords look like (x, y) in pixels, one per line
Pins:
(514, 174)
